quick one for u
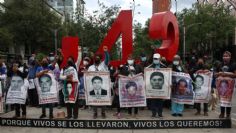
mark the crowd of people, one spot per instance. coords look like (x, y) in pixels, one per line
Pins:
(73, 73)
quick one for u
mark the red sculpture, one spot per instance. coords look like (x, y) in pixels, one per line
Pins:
(69, 48)
(122, 25)
(164, 26)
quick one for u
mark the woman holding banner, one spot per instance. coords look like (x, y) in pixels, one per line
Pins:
(131, 69)
(228, 73)
(70, 89)
(177, 108)
(199, 81)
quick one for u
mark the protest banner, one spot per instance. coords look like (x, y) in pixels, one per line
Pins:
(132, 91)
(182, 89)
(158, 82)
(202, 87)
(17, 92)
(97, 88)
(47, 88)
(225, 87)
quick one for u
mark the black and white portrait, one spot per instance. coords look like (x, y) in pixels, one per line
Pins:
(45, 83)
(16, 83)
(97, 87)
(157, 80)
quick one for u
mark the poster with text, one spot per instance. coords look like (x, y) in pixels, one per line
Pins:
(225, 87)
(158, 82)
(182, 89)
(47, 88)
(17, 92)
(97, 88)
(132, 91)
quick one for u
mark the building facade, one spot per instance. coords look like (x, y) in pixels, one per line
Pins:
(160, 6)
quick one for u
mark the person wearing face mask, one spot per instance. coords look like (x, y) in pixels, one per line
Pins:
(130, 69)
(32, 92)
(44, 68)
(144, 61)
(176, 108)
(100, 65)
(84, 65)
(228, 70)
(70, 77)
(201, 67)
(156, 105)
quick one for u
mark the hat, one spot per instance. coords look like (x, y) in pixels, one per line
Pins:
(158, 56)
(177, 57)
(228, 53)
(51, 54)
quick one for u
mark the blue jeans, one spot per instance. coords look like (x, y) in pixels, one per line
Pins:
(177, 108)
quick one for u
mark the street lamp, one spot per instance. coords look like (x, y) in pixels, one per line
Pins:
(185, 28)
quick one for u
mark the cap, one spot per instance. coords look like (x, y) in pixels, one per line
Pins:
(158, 56)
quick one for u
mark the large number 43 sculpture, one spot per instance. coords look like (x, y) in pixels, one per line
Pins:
(163, 26)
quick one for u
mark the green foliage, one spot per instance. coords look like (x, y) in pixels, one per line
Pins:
(216, 26)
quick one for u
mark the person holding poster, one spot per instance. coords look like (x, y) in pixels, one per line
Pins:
(157, 82)
(99, 66)
(70, 90)
(177, 108)
(45, 83)
(224, 88)
(198, 87)
(130, 69)
(17, 92)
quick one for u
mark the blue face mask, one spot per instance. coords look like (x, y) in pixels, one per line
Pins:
(143, 59)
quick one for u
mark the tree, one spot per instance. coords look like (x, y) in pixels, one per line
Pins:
(30, 23)
(211, 27)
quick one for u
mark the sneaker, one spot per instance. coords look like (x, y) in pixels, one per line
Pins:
(75, 117)
(103, 116)
(180, 115)
(174, 115)
(160, 116)
(206, 114)
(42, 116)
(197, 113)
(221, 116)
(95, 116)
(153, 116)
(118, 116)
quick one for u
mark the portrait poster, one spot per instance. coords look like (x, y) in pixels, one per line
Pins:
(70, 89)
(1, 104)
(97, 88)
(132, 91)
(158, 82)
(17, 92)
(225, 87)
(31, 84)
(202, 87)
(47, 88)
(182, 89)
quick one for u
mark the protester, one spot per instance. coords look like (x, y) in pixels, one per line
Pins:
(17, 75)
(228, 70)
(201, 67)
(32, 92)
(70, 76)
(100, 66)
(156, 104)
(43, 69)
(177, 108)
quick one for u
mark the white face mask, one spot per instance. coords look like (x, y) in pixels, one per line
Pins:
(85, 62)
(156, 62)
(52, 58)
(176, 63)
(130, 62)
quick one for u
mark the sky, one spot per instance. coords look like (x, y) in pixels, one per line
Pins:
(145, 7)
